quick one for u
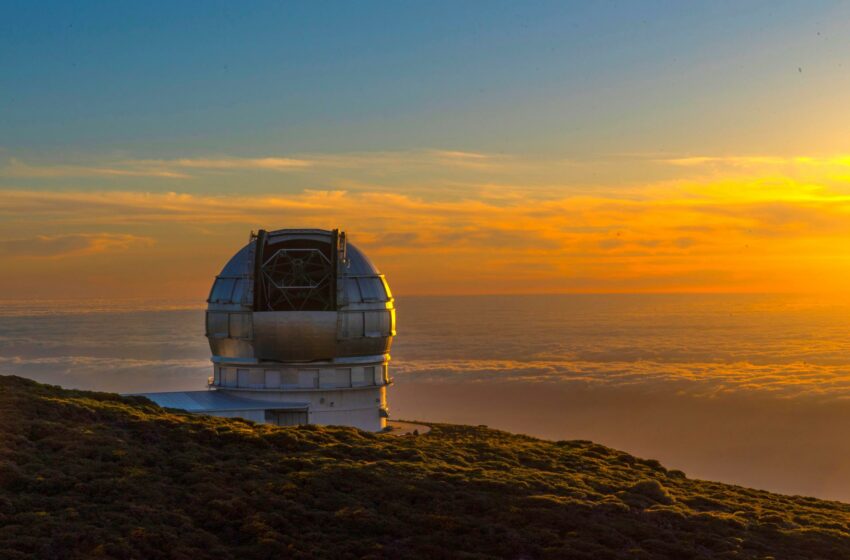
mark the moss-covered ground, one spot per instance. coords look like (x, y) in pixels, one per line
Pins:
(95, 475)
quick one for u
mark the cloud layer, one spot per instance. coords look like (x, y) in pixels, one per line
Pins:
(700, 379)
(495, 223)
(71, 245)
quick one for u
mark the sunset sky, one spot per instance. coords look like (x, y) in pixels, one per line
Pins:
(469, 147)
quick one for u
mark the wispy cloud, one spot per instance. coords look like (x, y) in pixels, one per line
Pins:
(123, 207)
(231, 163)
(704, 379)
(754, 160)
(162, 169)
(478, 166)
(55, 246)
(17, 168)
(185, 168)
(716, 232)
(455, 154)
(664, 231)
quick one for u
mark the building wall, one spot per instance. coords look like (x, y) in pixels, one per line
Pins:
(364, 419)
(335, 394)
(357, 407)
(303, 377)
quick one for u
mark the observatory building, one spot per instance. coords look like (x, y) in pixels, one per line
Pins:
(300, 324)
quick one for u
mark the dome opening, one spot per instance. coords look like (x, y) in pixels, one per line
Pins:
(295, 275)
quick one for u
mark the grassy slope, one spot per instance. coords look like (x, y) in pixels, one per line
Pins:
(92, 474)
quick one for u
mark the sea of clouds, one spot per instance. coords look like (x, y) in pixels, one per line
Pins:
(746, 389)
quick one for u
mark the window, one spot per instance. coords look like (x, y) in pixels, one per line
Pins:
(216, 324)
(230, 377)
(243, 378)
(352, 292)
(369, 373)
(352, 325)
(239, 291)
(359, 378)
(308, 378)
(376, 323)
(256, 379)
(334, 378)
(289, 379)
(343, 377)
(216, 376)
(222, 290)
(326, 378)
(233, 325)
(272, 378)
(241, 326)
(372, 289)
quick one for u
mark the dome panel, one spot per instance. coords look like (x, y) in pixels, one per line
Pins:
(358, 263)
(301, 303)
(240, 264)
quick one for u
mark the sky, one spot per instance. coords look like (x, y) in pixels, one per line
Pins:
(468, 147)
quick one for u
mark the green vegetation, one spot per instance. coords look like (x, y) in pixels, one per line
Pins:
(95, 475)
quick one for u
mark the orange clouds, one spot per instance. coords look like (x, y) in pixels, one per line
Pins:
(73, 245)
(190, 168)
(754, 231)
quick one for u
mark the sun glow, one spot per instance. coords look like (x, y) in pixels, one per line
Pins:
(721, 224)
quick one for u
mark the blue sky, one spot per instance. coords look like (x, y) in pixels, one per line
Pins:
(584, 79)
(598, 146)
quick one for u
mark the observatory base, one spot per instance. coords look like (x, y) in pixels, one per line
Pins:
(363, 408)
(300, 324)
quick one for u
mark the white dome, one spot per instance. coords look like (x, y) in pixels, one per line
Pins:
(310, 296)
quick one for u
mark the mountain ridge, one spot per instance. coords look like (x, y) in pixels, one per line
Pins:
(98, 475)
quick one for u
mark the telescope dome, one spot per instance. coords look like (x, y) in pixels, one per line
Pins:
(299, 295)
(300, 324)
